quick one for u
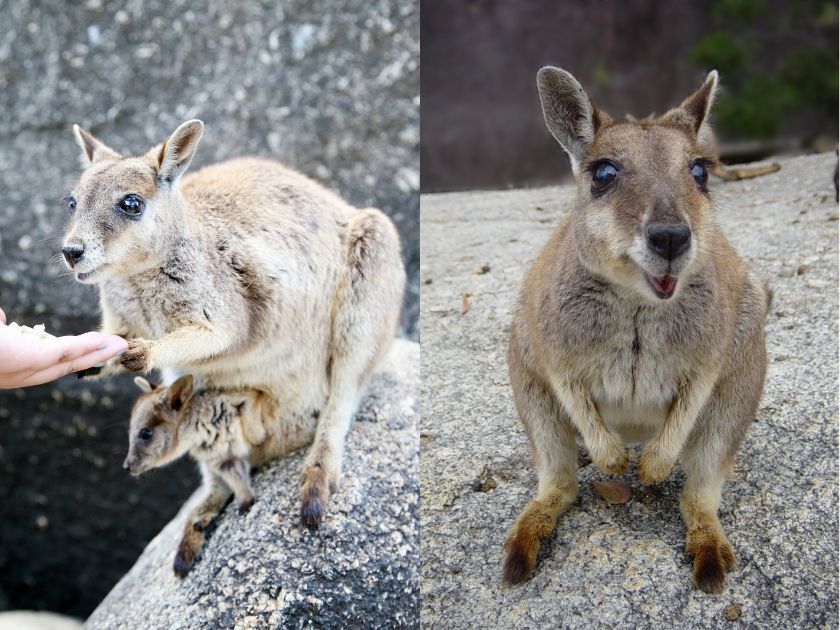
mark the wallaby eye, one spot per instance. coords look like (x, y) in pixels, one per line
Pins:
(145, 434)
(699, 172)
(603, 175)
(71, 203)
(131, 205)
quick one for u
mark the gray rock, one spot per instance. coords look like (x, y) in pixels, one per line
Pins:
(331, 88)
(623, 566)
(359, 569)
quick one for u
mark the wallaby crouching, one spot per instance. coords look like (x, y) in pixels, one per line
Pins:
(245, 274)
(638, 322)
(226, 432)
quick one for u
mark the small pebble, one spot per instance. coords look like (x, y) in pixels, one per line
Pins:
(732, 612)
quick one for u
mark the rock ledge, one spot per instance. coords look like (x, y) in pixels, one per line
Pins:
(263, 570)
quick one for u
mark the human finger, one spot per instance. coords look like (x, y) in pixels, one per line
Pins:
(76, 364)
(65, 349)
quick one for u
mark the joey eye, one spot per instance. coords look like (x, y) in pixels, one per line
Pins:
(603, 175)
(131, 206)
(145, 434)
(699, 172)
(71, 203)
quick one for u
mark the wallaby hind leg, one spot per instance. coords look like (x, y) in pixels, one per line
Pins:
(707, 457)
(236, 473)
(553, 441)
(215, 494)
(364, 323)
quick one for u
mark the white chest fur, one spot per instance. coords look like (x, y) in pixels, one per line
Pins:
(635, 375)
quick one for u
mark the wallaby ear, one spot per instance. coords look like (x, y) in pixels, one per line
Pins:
(144, 385)
(92, 149)
(178, 149)
(693, 113)
(569, 113)
(180, 392)
(698, 105)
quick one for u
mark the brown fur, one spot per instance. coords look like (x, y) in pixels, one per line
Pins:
(597, 354)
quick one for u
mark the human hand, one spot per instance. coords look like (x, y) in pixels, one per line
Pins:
(29, 358)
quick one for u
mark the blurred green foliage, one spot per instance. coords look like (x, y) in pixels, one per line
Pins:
(601, 75)
(764, 83)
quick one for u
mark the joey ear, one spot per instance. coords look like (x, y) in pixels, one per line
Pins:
(569, 113)
(143, 384)
(178, 149)
(180, 392)
(92, 149)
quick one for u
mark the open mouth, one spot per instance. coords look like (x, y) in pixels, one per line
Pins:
(663, 286)
(81, 277)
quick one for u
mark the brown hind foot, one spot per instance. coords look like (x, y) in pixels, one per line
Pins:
(187, 554)
(521, 547)
(245, 505)
(713, 557)
(533, 526)
(314, 495)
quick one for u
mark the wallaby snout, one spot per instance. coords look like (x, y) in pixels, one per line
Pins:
(668, 240)
(73, 254)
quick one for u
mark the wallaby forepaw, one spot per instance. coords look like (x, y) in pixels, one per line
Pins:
(613, 462)
(653, 468)
(137, 357)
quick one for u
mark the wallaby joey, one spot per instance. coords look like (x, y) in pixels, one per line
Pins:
(638, 323)
(245, 274)
(227, 432)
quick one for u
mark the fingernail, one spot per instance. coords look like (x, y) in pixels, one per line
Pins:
(99, 365)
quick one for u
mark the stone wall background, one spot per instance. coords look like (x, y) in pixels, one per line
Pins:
(329, 87)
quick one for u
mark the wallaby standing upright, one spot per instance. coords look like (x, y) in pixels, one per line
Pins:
(226, 431)
(246, 274)
(638, 322)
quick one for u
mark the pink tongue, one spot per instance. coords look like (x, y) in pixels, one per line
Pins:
(665, 284)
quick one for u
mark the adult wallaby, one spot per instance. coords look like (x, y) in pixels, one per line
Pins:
(638, 322)
(246, 274)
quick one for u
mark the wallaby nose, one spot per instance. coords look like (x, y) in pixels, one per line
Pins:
(669, 240)
(72, 254)
(127, 465)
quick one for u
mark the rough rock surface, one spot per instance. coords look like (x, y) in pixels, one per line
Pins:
(623, 566)
(330, 87)
(360, 569)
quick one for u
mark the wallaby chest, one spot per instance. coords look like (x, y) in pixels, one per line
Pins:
(632, 355)
(154, 304)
